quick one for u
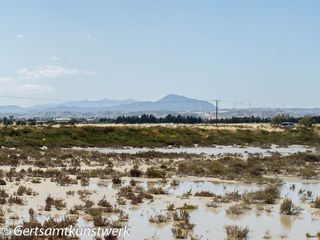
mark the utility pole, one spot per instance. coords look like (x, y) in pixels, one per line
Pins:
(217, 102)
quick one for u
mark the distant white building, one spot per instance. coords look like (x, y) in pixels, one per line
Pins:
(61, 119)
(91, 119)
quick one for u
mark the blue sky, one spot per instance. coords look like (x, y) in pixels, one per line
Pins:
(262, 53)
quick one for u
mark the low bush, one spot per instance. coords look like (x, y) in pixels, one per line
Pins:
(155, 173)
(235, 232)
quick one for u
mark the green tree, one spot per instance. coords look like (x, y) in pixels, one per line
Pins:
(306, 121)
(280, 118)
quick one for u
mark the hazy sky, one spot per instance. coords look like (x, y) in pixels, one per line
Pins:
(258, 52)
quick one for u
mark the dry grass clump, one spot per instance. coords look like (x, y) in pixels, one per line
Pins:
(136, 195)
(213, 204)
(235, 232)
(36, 180)
(153, 172)
(181, 215)
(237, 209)
(267, 195)
(204, 194)
(234, 196)
(288, 208)
(116, 181)
(107, 205)
(187, 206)
(308, 172)
(16, 200)
(159, 218)
(31, 213)
(2, 217)
(174, 183)
(65, 180)
(95, 211)
(123, 217)
(171, 207)
(135, 171)
(25, 190)
(157, 191)
(84, 193)
(316, 203)
(182, 225)
(187, 194)
(84, 181)
(179, 233)
(58, 203)
(74, 211)
(3, 196)
(100, 221)
(88, 204)
(70, 193)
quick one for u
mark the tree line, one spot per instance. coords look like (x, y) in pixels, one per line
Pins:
(146, 118)
(149, 118)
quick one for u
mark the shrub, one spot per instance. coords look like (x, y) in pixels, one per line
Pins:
(171, 207)
(16, 200)
(157, 191)
(99, 221)
(104, 203)
(234, 209)
(132, 183)
(135, 172)
(235, 232)
(116, 181)
(24, 190)
(31, 212)
(84, 181)
(237, 209)
(306, 121)
(267, 195)
(155, 173)
(204, 194)
(174, 183)
(187, 206)
(159, 218)
(316, 203)
(307, 172)
(288, 208)
(178, 233)
(59, 204)
(181, 215)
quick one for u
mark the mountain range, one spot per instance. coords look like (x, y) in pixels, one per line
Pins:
(169, 104)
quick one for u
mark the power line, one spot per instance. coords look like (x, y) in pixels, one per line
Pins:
(217, 103)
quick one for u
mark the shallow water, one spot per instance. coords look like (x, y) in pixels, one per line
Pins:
(217, 150)
(209, 222)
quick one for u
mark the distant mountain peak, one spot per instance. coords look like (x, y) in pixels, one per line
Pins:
(174, 98)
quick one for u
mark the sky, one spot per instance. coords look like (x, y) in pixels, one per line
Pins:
(249, 53)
